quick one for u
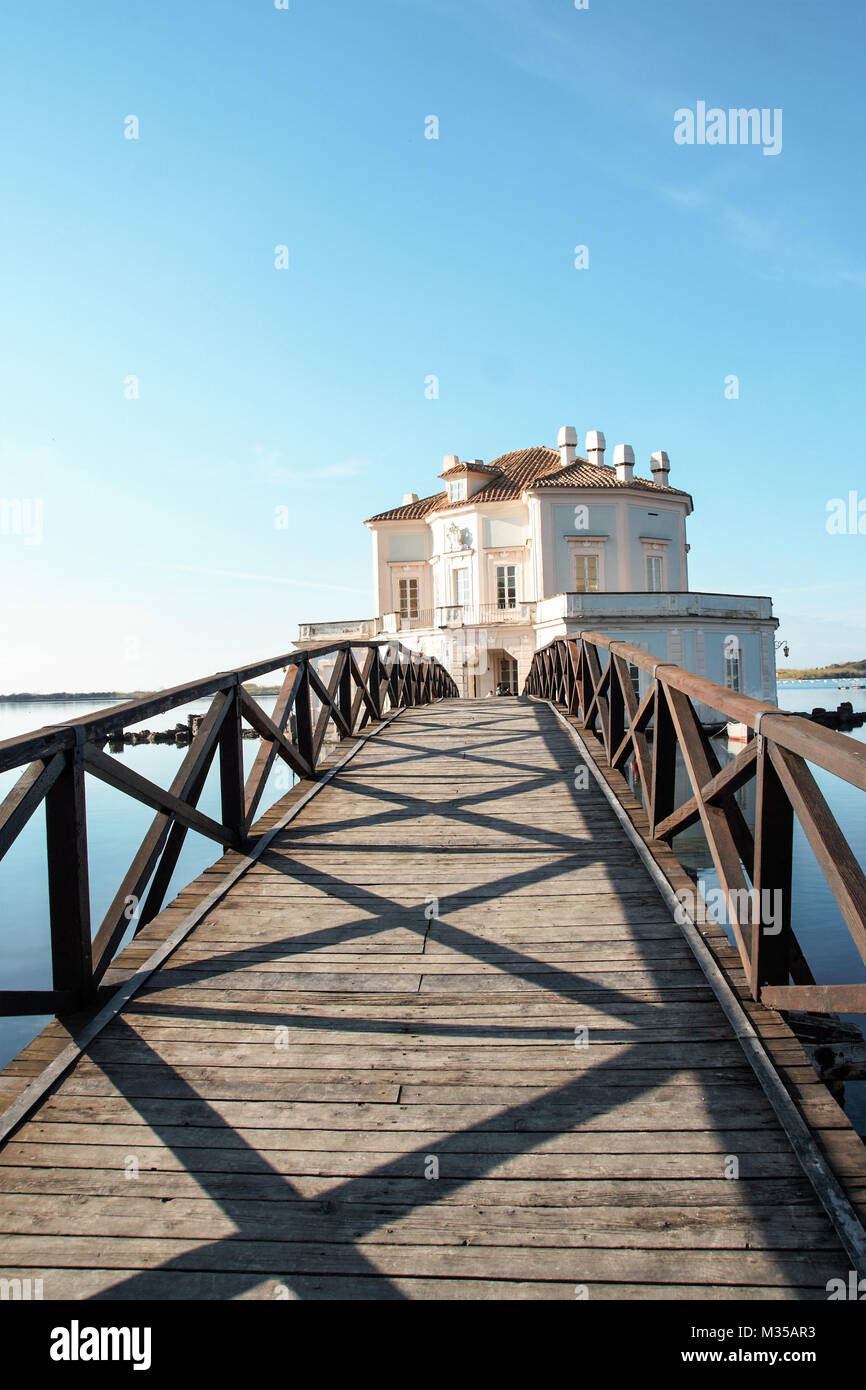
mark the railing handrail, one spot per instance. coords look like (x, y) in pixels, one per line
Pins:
(832, 751)
(54, 738)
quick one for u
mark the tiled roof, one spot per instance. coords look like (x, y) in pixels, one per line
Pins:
(460, 469)
(412, 511)
(538, 467)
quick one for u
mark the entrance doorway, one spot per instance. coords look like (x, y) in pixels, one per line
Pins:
(507, 673)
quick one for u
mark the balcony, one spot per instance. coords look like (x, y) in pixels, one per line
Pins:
(363, 629)
(591, 610)
(460, 615)
(484, 615)
(596, 607)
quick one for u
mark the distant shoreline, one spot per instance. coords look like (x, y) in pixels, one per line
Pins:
(31, 697)
(76, 695)
(843, 670)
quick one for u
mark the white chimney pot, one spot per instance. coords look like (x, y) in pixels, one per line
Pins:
(595, 446)
(409, 497)
(450, 461)
(660, 465)
(566, 442)
(623, 457)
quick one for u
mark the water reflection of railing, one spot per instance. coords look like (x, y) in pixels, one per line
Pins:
(589, 678)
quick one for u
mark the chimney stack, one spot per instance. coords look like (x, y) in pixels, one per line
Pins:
(567, 444)
(623, 457)
(409, 497)
(595, 446)
(661, 467)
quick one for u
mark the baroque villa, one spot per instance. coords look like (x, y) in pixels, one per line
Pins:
(541, 543)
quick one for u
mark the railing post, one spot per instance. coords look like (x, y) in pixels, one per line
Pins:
(374, 679)
(664, 766)
(616, 703)
(68, 878)
(231, 756)
(394, 680)
(304, 719)
(774, 851)
(344, 691)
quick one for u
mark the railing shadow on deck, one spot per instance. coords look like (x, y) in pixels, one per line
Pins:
(315, 1244)
(367, 681)
(589, 678)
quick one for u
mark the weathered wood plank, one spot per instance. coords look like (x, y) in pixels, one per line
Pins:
(284, 1078)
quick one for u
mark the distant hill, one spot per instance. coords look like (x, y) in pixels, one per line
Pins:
(843, 670)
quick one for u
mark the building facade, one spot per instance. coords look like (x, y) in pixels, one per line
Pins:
(542, 543)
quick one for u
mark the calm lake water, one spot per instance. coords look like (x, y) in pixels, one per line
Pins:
(117, 824)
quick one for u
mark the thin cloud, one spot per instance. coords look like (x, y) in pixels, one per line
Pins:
(272, 471)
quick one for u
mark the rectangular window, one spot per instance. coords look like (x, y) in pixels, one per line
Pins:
(457, 491)
(732, 672)
(408, 598)
(586, 574)
(654, 574)
(506, 586)
(461, 587)
(508, 673)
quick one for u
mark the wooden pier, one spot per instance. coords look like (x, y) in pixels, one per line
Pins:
(431, 1031)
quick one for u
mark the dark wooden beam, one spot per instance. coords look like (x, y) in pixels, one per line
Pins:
(68, 879)
(735, 774)
(124, 779)
(19, 805)
(816, 999)
(774, 852)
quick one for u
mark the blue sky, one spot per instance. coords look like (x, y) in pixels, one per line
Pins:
(304, 388)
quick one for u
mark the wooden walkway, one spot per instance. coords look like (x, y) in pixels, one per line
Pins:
(442, 1041)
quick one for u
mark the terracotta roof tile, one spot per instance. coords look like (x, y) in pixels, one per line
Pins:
(412, 511)
(460, 469)
(538, 467)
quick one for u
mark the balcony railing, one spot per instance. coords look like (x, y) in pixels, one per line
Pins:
(639, 604)
(362, 628)
(482, 614)
(459, 615)
(629, 605)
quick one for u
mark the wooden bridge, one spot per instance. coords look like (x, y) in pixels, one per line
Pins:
(429, 1028)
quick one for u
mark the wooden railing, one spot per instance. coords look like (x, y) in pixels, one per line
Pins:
(367, 680)
(589, 677)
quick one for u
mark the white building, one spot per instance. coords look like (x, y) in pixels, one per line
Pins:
(541, 543)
